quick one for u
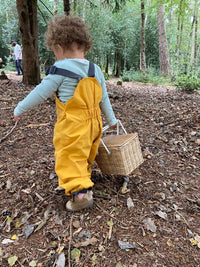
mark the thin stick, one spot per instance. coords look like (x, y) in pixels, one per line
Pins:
(70, 241)
(3, 138)
(111, 215)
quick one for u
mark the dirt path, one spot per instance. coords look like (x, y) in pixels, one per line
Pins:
(160, 229)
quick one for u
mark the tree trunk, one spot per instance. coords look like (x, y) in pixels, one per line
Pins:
(142, 40)
(66, 7)
(107, 63)
(84, 9)
(178, 35)
(194, 40)
(187, 59)
(118, 64)
(27, 12)
(55, 7)
(195, 43)
(74, 7)
(163, 45)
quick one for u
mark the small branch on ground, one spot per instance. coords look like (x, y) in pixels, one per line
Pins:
(3, 138)
(70, 242)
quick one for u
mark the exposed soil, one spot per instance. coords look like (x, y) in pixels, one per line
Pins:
(161, 228)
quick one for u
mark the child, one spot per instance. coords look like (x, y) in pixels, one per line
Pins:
(78, 128)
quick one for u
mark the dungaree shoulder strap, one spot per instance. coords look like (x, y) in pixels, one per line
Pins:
(67, 73)
(91, 70)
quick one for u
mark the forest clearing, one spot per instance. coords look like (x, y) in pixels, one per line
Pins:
(160, 227)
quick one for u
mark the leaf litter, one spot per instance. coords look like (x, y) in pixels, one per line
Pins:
(164, 190)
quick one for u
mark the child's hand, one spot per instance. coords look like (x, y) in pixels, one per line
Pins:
(17, 118)
(113, 126)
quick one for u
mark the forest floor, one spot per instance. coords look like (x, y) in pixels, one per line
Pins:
(161, 227)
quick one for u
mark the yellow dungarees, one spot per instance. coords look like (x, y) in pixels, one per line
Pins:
(77, 135)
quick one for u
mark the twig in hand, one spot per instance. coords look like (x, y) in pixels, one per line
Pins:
(70, 241)
(3, 138)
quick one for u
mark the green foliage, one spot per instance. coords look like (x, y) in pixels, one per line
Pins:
(115, 31)
(106, 76)
(188, 83)
(150, 76)
(9, 66)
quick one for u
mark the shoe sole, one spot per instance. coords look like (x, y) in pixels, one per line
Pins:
(89, 205)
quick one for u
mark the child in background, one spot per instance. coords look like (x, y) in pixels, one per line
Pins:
(78, 128)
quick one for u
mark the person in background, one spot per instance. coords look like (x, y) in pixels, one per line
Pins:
(79, 103)
(18, 56)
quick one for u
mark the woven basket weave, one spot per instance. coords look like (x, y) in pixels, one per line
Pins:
(125, 156)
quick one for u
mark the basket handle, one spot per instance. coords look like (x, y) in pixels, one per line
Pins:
(106, 128)
(118, 124)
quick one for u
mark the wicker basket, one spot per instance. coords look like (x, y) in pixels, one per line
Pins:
(124, 157)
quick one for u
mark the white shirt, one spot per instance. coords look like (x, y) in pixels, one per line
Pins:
(17, 49)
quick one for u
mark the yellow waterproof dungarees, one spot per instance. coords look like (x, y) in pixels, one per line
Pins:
(77, 135)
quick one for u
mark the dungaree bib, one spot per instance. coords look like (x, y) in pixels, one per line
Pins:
(77, 135)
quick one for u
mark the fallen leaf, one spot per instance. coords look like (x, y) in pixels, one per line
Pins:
(195, 241)
(169, 243)
(14, 237)
(149, 223)
(33, 263)
(130, 203)
(52, 176)
(60, 249)
(110, 223)
(40, 225)
(61, 260)
(32, 172)
(94, 260)
(198, 141)
(161, 214)
(12, 260)
(89, 241)
(29, 230)
(75, 253)
(76, 224)
(27, 191)
(7, 241)
(8, 184)
(126, 245)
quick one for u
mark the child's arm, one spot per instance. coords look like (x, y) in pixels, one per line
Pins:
(105, 104)
(45, 89)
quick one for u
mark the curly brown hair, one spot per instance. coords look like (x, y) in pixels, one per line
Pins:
(66, 31)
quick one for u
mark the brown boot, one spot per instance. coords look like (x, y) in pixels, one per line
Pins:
(78, 204)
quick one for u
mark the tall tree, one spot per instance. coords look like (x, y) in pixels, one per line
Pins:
(55, 7)
(179, 33)
(163, 45)
(27, 13)
(194, 39)
(66, 6)
(142, 39)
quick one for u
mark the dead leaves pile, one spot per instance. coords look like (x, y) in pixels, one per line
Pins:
(151, 220)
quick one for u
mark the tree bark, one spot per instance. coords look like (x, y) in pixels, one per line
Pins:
(66, 7)
(118, 63)
(142, 40)
(163, 45)
(74, 7)
(107, 63)
(55, 7)
(188, 54)
(84, 9)
(27, 12)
